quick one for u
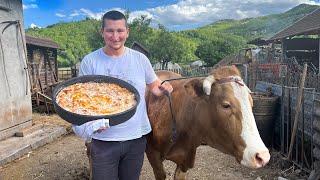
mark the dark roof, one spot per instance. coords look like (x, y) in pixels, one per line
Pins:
(41, 42)
(258, 42)
(137, 46)
(309, 24)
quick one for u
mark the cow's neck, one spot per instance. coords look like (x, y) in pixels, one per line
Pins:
(183, 152)
(189, 136)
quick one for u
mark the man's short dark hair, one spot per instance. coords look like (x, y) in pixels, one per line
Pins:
(113, 15)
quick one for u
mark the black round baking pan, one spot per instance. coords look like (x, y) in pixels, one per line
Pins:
(78, 119)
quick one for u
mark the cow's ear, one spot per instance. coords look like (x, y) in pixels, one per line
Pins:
(194, 88)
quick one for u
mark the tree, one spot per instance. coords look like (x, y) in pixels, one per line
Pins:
(213, 50)
(166, 47)
(188, 48)
(140, 31)
(94, 36)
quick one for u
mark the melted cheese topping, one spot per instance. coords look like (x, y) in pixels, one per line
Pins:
(95, 98)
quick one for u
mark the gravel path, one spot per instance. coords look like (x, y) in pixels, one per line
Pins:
(65, 159)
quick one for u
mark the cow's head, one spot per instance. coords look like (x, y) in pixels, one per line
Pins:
(227, 123)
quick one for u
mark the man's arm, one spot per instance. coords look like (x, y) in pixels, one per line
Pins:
(157, 89)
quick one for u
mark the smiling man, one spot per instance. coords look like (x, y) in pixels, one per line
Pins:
(117, 152)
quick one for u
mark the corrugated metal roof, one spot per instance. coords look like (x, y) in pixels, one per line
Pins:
(306, 25)
(41, 42)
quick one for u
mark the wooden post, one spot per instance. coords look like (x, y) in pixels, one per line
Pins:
(283, 50)
(45, 61)
(31, 68)
(297, 109)
(53, 74)
(55, 56)
(254, 71)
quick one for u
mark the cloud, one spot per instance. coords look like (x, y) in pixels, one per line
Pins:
(193, 13)
(136, 14)
(60, 15)
(200, 12)
(74, 14)
(91, 14)
(29, 6)
(32, 25)
(88, 13)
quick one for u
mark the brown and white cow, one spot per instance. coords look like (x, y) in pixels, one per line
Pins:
(216, 110)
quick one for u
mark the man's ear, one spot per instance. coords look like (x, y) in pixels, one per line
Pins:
(194, 88)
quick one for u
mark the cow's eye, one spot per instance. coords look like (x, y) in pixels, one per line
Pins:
(226, 105)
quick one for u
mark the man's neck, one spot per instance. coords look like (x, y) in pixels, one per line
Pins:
(114, 52)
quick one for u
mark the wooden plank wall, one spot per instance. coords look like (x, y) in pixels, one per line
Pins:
(42, 66)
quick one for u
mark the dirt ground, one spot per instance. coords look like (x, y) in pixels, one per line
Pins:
(65, 159)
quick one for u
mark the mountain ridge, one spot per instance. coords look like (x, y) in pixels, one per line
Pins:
(78, 38)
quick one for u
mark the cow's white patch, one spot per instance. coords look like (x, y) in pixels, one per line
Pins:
(249, 133)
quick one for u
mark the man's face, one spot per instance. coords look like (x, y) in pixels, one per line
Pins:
(115, 33)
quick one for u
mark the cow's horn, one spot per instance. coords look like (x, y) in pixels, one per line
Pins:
(207, 83)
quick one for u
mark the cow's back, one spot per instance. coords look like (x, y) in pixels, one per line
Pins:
(163, 75)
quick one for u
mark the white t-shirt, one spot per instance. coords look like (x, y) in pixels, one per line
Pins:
(133, 67)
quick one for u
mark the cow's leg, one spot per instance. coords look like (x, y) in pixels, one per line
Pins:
(155, 160)
(88, 146)
(179, 174)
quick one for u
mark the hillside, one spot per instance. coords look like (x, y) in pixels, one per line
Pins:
(267, 26)
(264, 26)
(210, 43)
(75, 38)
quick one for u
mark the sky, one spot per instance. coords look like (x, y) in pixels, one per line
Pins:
(173, 14)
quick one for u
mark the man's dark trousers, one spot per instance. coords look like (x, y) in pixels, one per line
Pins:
(117, 160)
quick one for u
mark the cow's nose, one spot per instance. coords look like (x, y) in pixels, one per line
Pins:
(262, 158)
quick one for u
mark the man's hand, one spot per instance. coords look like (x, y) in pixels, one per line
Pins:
(86, 130)
(100, 130)
(159, 89)
(166, 88)
(100, 125)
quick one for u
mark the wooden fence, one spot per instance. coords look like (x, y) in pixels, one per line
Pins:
(316, 139)
(67, 73)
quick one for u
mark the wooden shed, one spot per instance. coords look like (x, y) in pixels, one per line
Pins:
(301, 40)
(15, 97)
(43, 69)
